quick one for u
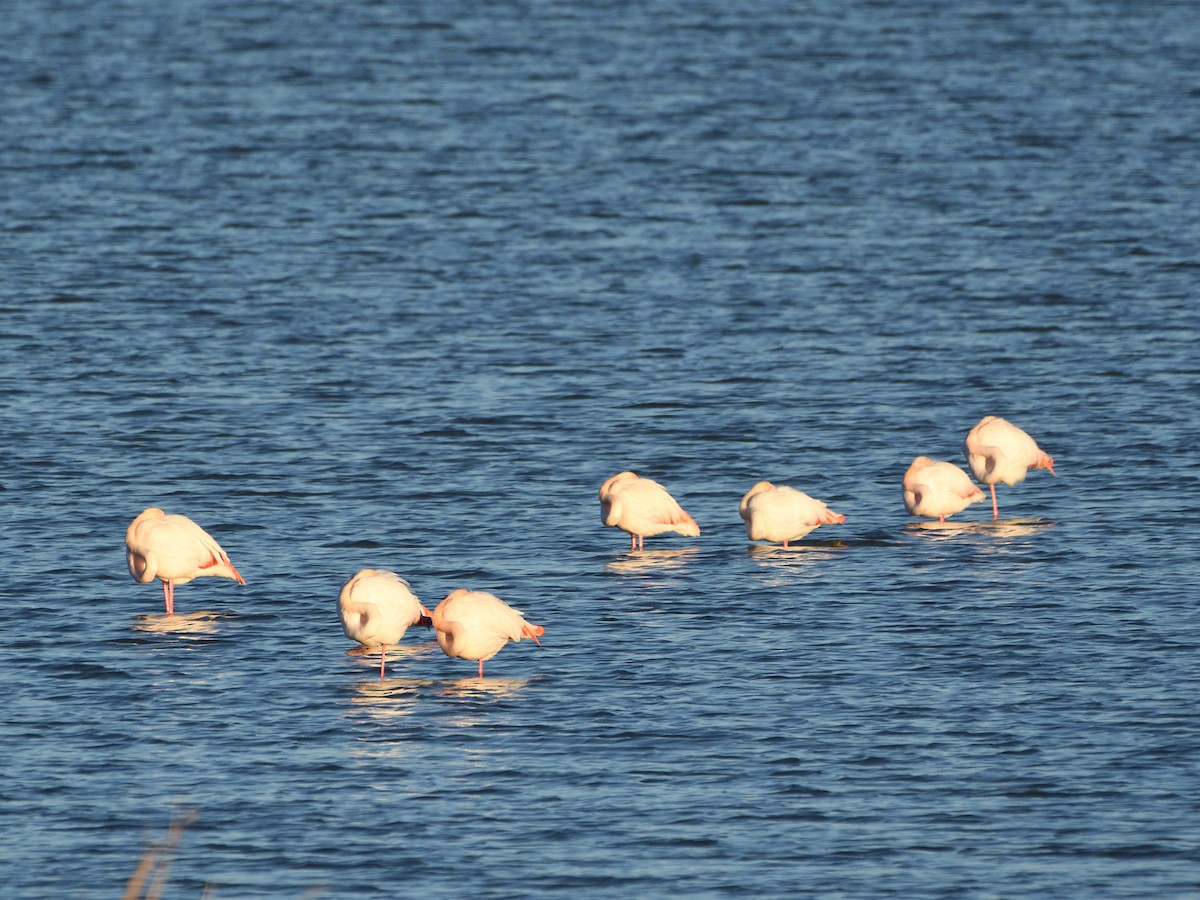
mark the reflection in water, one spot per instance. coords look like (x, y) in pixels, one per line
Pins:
(789, 560)
(387, 703)
(942, 528)
(482, 691)
(485, 687)
(1005, 528)
(641, 560)
(368, 657)
(199, 622)
(1015, 527)
(804, 547)
(388, 699)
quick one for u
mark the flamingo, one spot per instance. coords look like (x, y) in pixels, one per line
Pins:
(642, 508)
(778, 513)
(936, 488)
(997, 450)
(377, 606)
(173, 549)
(476, 624)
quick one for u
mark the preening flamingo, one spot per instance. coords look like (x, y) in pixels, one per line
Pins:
(936, 489)
(173, 549)
(997, 450)
(780, 514)
(642, 508)
(476, 624)
(377, 606)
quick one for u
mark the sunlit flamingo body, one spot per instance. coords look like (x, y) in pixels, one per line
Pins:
(997, 451)
(936, 489)
(781, 514)
(377, 606)
(642, 508)
(476, 624)
(173, 549)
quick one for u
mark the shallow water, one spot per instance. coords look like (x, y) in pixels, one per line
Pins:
(399, 285)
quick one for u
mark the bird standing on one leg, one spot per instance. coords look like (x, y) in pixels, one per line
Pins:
(936, 488)
(642, 507)
(781, 514)
(997, 450)
(377, 606)
(173, 549)
(476, 624)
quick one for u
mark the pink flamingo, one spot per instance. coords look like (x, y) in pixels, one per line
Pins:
(935, 488)
(642, 508)
(173, 549)
(997, 450)
(783, 514)
(476, 624)
(377, 606)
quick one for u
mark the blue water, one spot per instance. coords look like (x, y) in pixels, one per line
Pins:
(400, 284)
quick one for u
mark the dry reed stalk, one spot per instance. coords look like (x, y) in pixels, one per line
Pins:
(156, 861)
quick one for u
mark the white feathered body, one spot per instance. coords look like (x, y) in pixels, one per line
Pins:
(476, 624)
(642, 507)
(173, 548)
(779, 514)
(998, 451)
(377, 607)
(936, 489)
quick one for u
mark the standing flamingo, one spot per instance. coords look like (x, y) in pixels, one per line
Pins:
(782, 514)
(642, 508)
(935, 488)
(997, 450)
(476, 624)
(173, 549)
(377, 607)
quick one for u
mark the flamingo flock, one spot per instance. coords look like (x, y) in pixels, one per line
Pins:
(377, 606)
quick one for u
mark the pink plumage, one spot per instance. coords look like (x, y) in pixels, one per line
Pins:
(173, 549)
(781, 514)
(377, 607)
(642, 508)
(935, 489)
(476, 624)
(999, 451)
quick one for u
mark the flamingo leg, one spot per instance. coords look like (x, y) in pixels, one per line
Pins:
(995, 508)
(169, 596)
(481, 668)
(382, 660)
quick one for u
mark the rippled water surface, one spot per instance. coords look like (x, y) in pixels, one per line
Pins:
(400, 284)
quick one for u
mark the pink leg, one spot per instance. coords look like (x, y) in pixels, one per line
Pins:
(169, 596)
(382, 660)
(995, 508)
(632, 542)
(942, 519)
(481, 668)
